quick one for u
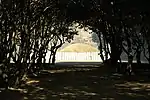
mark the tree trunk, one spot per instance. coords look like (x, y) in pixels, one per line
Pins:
(114, 52)
(138, 57)
(149, 53)
(129, 69)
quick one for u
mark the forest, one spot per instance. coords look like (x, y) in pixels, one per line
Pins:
(31, 28)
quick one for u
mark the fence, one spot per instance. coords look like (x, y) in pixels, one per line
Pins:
(83, 57)
(77, 56)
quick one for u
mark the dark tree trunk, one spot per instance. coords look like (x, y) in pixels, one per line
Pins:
(149, 53)
(100, 47)
(129, 69)
(138, 57)
(113, 55)
(114, 52)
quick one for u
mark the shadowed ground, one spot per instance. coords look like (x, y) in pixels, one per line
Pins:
(87, 82)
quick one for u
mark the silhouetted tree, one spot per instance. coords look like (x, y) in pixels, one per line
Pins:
(26, 29)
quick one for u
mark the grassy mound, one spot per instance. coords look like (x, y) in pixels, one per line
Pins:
(79, 47)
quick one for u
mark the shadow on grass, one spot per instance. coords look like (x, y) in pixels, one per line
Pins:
(85, 83)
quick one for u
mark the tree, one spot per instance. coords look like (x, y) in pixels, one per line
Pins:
(116, 23)
(26, 30)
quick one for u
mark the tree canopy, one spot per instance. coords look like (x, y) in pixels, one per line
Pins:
(31, 28)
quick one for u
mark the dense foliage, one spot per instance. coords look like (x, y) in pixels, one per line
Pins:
(28, 30)
(31, 28)
(121, 24)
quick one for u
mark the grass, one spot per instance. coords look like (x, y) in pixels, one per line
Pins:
(85, 83)
(79, 47)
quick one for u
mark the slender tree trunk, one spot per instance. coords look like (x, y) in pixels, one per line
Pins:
(114, 52)
(138, 57)
(130, 56)
(100, 47)
(129, 69)
(149, 53)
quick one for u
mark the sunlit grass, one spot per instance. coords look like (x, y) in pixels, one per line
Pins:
(32, 81)
(79, 47)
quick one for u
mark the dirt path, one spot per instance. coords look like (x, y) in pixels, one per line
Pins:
(85, 84)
